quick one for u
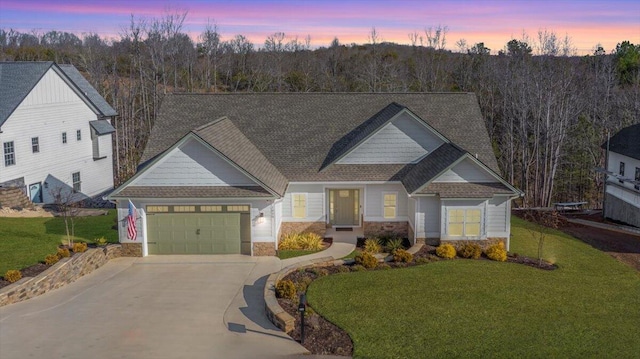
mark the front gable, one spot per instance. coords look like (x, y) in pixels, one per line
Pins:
(466, 171)
(404, 139)
(192, 163)
(51, 89)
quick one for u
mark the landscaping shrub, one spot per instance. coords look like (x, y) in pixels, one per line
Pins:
(286, 289)
(358, 268)
(100, 241)
(51, 259)
(470, 250)
(12, 276)
(79, 247)
(402, 256)
(422, 260)
(394, 245)
(343, 269)
(366, 260)
(446, 250)
(319, 272)
(301, 241)
(302, 284)
(372, 245)
(386, 238)
(63, 253)
(497, 252)
(383, 266)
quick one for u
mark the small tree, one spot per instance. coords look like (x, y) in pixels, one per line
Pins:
(546, 221)
(67, 203)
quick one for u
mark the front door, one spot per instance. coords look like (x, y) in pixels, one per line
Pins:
(35, 192)
(344, 207)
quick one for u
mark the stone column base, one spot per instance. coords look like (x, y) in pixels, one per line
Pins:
(264, 249)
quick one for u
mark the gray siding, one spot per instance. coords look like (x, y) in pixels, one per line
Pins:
(428, 217)
(466, 171)
(374, 209)
(193, 164)
(496, 217)
(315, 202)
(404, 140)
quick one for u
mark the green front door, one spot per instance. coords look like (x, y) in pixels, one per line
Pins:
(194, 233)
(344, 207)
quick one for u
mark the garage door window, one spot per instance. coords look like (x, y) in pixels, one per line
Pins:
(157, 209)
(237, 208)
(183, 209)
(210, 208)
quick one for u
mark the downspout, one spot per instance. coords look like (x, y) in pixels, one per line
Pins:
(606, 177)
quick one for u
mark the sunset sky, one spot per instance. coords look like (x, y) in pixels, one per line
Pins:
(586, 22)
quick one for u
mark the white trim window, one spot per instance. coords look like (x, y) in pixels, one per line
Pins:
(78, 135)
(64, 137)
(299, 205)
(390, 205)
(77, 183)
(35, 144)
(464, 222)
(9, 153)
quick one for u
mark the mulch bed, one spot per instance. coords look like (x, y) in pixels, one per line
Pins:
(325, 338)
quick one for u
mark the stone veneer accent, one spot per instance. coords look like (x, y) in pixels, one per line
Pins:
(374, 229)
(131, 249)
(319, 228)
(264, 249)
(67, 270)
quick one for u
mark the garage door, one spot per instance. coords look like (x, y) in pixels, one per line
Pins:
(198, 233)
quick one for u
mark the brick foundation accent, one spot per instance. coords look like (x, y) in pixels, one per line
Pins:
(421, 241)
(67, 270)
(131, 249)
(319, 228)
(374, 229)
(264, 249)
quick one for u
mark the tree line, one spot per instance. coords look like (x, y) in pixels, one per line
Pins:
(547, 110)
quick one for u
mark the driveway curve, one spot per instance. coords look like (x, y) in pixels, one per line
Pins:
(152, 307)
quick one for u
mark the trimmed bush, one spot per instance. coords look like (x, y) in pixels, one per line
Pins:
(51, 259)
(497, 252)
(402, 256)
(358, 268)
(393, 245)
(286, 289)
(470, 250)
(12, 276)
(79, 247)
(100, 241)
(372, 245)
(63, 253)
(383, 266)
(366, 260)
(319, 272)
(343, 269)
(446, 250)
(422, 260)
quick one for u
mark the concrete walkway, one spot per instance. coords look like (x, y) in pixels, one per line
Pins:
(344, 242)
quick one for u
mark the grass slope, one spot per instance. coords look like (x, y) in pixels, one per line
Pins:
(290, 253)
(26, 241)
(589, 307)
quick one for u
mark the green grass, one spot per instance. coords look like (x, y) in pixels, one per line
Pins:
(589, 307)
(284, 254)
(26, 241)
(351, 255)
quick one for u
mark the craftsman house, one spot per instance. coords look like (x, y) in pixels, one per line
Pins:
(55, 132)
(232, 173)
(622, 198)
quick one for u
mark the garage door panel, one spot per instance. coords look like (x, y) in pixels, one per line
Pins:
(195, 233)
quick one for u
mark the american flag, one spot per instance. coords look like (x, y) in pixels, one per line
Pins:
(132, 232)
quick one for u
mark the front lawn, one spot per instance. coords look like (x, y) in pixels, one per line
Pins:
(284, 254)
(588, 307)
(26, 241)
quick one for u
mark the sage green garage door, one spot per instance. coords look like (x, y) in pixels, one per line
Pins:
(198, 233)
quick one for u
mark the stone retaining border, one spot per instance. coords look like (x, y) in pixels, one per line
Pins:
(278, 316)
(67, 270)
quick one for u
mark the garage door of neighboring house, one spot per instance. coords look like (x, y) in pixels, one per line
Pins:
(196, 229)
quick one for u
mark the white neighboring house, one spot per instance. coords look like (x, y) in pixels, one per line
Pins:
(622, 199)
(55, 132)
(232, 173)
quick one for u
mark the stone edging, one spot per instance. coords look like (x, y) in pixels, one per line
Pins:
(278, 316)
(67, 270)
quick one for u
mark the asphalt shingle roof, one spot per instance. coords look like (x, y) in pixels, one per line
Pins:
(102, 127)
(88, 90)
(432, 165)
(299, 132)
(626, 142)
(16, 81)
(193, 192)
(465, 190)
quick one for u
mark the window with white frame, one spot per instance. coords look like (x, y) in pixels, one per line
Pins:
(464, 222)
(299, 205)
(9, 154)
(64, 137)
(78, 135)
(390, 204)
(75, 177)
(35, 144)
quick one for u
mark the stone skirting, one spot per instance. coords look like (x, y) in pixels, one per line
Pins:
(376, 229)
(264, 249)
(67, 270)
(131, 249)
(319, 228)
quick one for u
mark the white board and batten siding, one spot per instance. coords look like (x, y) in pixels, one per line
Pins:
(193, 164)
(50, 109)
(466, 171)
(404, 140)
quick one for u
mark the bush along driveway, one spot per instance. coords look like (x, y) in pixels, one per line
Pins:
(587, 307)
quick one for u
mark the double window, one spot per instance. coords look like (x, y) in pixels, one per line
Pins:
(390, 205)
(9, 154)
(464, 222)
(299, 205)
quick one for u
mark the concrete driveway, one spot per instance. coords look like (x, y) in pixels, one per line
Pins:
(153, 307)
